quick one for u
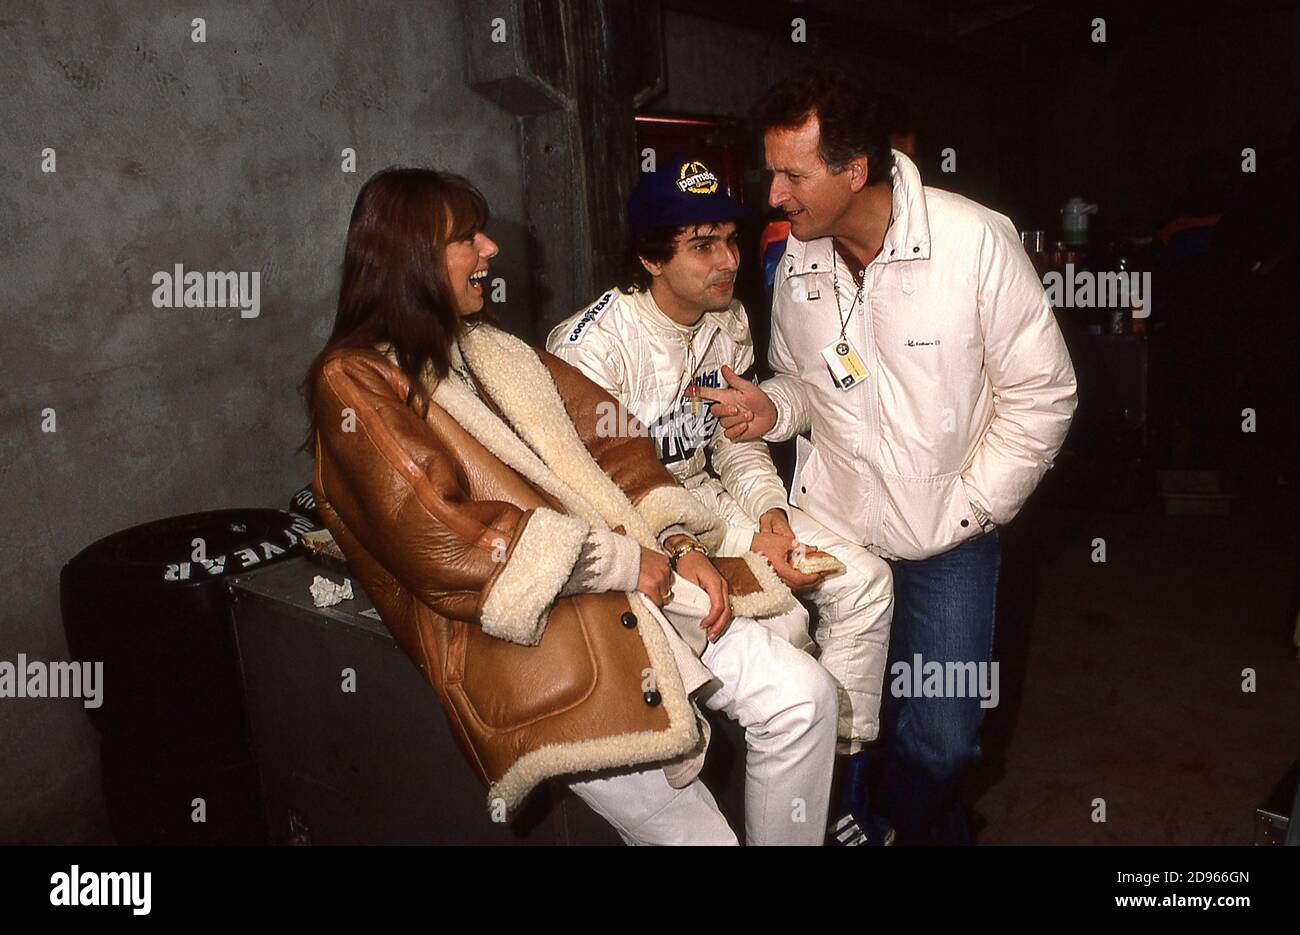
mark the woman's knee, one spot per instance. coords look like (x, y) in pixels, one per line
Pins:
(810, 694)
(792, 627)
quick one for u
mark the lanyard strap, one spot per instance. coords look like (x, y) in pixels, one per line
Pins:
(857, 296)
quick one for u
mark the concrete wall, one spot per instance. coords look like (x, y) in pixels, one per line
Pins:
(223, 155)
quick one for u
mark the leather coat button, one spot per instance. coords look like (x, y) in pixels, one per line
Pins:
(652, 698)
(965, 523)
(628, 619)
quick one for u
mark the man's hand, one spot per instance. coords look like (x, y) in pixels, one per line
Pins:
(776, 549)
(656, 577)
(696, 567)
(745, 411)
(776, 521)
(774, 541)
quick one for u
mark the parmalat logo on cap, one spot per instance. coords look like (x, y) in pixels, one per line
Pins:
(697, 179)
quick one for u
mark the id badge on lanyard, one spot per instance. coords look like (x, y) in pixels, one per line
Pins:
(842, 358)
(844, 363)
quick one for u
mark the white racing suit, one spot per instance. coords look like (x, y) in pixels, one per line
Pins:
(628, 346)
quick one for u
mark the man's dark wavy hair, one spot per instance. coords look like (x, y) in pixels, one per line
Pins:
(849, 113)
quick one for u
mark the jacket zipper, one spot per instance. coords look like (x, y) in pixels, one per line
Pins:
(871, 404)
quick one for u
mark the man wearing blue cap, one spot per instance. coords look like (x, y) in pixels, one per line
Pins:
(673, 324)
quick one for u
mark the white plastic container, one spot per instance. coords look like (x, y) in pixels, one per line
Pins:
(1074, 220)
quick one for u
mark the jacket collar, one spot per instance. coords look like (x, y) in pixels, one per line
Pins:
(489, 420)
(908, 237)
(534, 435)
(519, 383)
(728, 319)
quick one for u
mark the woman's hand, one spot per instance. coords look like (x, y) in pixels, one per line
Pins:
(696, 567)
(656, 576)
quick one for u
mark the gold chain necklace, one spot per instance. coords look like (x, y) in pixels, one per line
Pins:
(688, 335)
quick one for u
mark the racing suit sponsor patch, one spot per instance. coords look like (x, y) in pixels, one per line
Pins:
(684, 428)
(591, 315)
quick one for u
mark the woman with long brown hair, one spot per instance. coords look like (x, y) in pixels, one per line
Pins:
(517, 551)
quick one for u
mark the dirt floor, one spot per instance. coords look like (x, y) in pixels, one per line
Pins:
(1123, 681)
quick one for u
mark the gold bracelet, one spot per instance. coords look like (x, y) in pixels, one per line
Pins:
(690, 545)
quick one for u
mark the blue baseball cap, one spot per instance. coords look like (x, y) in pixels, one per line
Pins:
(683, 191)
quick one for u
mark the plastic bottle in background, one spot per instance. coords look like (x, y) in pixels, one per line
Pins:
(1074, 220)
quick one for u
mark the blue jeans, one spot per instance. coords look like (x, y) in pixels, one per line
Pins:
(943, 611)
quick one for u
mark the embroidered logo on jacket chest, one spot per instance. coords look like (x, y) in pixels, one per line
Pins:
(680, 432)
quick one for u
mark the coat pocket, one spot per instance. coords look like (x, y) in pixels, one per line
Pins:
(835, 491)
(805, 471)
(508, 685)
(924, 516)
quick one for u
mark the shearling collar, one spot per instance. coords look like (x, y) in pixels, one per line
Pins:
(521, 386)
(535, 436)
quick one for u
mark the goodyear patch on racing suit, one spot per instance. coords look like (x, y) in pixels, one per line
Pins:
(589, 317)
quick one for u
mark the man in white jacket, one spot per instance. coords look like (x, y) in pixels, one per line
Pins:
(912, 337)
(674, 324)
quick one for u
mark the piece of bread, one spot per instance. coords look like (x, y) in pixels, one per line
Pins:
(817, 562)
(321, 542)
(323, 550)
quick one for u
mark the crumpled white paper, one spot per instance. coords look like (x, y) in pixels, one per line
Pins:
(325, 593)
